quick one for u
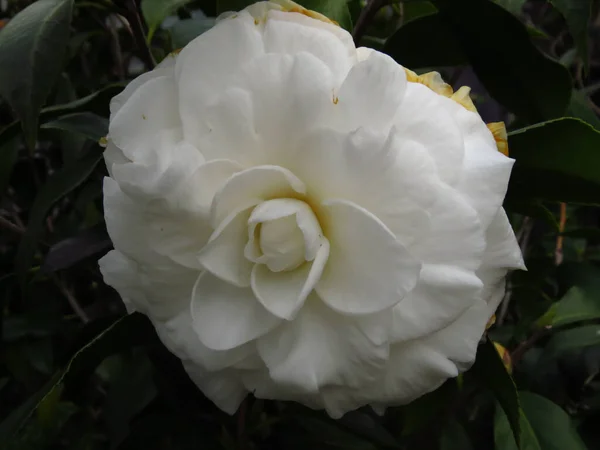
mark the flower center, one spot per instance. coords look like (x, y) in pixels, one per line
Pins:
(283, 234)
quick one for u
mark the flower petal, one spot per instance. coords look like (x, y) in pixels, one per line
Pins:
(284, 293)
(320, 347)
(223, 255)
(368, 269)
(225, 316)
(252, 186)
(442, 294)
(223, 388)
(371, 93)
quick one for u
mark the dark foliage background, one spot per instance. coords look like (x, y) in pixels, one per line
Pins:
(76, 373)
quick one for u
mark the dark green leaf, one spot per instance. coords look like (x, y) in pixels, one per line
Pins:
(556, 160)
(85, 124)
(511, 68)
(505, 439)
(513, 6)
(425, 42)
(579, 107)
(418, 414)
(155, 11)
(490, 372)
(60, 184)
(19, 326)
(552, 425)
(336, 10)
(8, 156)
(129, 331)
(32, 50)
(454, 437)
(573, 339)
(578, 304)
(414, 10)
(184, 31)
(232, 5)
(577, 15)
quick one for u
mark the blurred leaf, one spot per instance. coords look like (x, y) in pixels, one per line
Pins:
(573, 339)
(491, 373)
(72, 250)
(19, 326)
(556, 160)
(232, 5)
(97, 102)
(503, 57)
(32, 50)
(425, 42)
(155, 11)
(577, 15)
(417, 414)
(454, 437)
(85, 124)
(3, 382)
(184, 31)
(578, 304)
(551, 424)
(579, 107)
(505, 439)
(130, 392)
(414, 10)
(513, 6)
(131, 330)
(366, 427)
(58, 185)
(9, 151)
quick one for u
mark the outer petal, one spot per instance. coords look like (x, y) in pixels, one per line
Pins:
(371, 93)
(224, 388)
(424, 118)
(368, 269)
(284, 293)
(208, 63)
(225, 316)
(321, 348)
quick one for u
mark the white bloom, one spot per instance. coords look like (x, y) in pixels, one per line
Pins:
(306, 220)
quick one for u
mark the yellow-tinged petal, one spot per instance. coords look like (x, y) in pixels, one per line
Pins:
(433, 80)
(498, 130)
(463, 98)
(505, 355)
(491, 322)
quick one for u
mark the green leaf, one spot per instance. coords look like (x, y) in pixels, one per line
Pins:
(155, 11)
(127, 332)
(86, 124)
(570, 340)
(454, 437)
(551, 424)
(419, 413)
(577, 304)
(184, 31)
(577, 14)
(490, 372)
(414, 10)
(505, 439)
(232, 5)
(580, 107)
(57, 186)
(32, 49)
(503, 57)
(515, 7)
(557, 161)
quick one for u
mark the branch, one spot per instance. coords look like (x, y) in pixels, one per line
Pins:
(365, 17)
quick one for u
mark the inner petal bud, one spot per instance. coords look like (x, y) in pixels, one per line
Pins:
(283, 234)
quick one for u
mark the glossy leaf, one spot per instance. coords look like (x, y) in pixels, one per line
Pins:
(502, 55)
(491, 373)
(570, 340)
(505, 439)
(32, 49)
(184, 31)
(155, 11)
(580, 107)
(60, 184)
(85, 124)
(126, 332)
(513, 6)
(577, 14)
(557, 161)
(578, 304)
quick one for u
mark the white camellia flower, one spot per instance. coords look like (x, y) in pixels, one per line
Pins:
(303, 219)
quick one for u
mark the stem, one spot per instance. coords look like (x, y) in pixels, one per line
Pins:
(133, 16)
(518, 352)
(365, 17)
